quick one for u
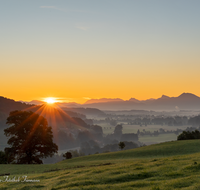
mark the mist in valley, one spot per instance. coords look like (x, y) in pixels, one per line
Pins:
(85, 131)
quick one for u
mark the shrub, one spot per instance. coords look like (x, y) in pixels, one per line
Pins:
(67, 155)
(186, 135)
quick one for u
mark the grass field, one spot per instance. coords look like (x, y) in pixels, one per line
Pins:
(108, 129)
(158, 139)
(171, 165)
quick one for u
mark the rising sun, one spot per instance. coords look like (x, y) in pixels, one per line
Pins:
(50, 100)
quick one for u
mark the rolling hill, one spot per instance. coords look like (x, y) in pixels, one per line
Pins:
(63, 122)
(171, 165)
(54, 115)
(185, 101)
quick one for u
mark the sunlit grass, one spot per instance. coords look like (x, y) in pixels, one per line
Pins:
(173, 165)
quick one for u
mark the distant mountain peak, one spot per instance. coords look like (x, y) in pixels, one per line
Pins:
(35, 102)
(165, 97)
(133, 100)
(187, 95)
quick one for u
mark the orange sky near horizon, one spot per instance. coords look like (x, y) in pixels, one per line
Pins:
(116, 80)
(99, 49)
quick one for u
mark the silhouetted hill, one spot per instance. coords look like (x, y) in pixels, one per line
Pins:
(188, 96)
(65, 123)
(54, 115)
(58, 117)
(8, 105)
(69, 104)
(90, 112)
(164, 97)
(36, 102)
(185, 101)
(134, 100)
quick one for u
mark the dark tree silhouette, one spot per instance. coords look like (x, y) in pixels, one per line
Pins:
(67, 155)
(30, 138)
(3, 158)
(186, 135)
(118, 131)
(121, 145)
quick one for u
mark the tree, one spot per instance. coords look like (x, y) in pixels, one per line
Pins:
(30, 138)
(3, 158)
(67, 155)
(121, 145)
(186, 135)
(118, 131)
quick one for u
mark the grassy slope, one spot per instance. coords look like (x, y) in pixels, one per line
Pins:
(161, 166)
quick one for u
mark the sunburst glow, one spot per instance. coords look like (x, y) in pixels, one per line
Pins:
(50, 100)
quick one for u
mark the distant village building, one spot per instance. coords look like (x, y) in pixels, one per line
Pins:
(129, 137)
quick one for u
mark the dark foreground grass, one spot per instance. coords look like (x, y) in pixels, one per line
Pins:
(173, 165)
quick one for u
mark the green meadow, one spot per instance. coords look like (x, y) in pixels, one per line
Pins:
(170, 165)
(147, 139)
(108, 129)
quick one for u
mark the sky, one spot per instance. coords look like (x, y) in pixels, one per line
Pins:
(80, 49)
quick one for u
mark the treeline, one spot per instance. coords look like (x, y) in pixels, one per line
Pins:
(151, 120)
(163, 131)
(92, 147)
(66, 139)
(75, 138)
(161, 120)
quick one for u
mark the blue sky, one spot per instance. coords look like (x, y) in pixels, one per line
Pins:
(95, 42)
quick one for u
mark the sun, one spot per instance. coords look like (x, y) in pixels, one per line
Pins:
(50, 100)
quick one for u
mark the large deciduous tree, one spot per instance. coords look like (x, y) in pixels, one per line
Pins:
(30, 138)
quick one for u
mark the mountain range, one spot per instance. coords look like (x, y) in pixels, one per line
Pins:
(186, 101)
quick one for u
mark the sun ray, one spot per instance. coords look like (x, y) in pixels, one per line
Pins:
(50, 100)
(54, 115)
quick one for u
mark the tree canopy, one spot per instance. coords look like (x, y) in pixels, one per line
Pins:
(30, 138)
(121, 145)
(67, 155)
(186, 135)
(3, 159)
